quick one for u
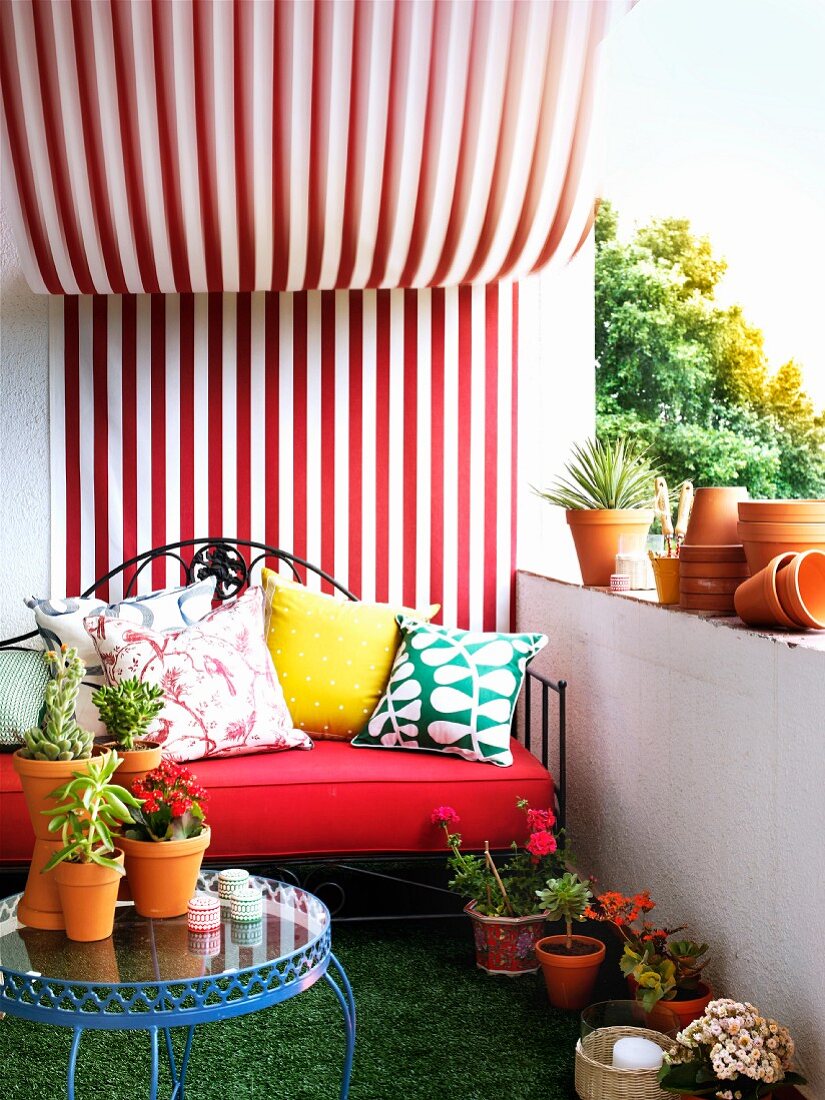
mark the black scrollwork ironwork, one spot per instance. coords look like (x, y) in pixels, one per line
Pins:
(223, 562)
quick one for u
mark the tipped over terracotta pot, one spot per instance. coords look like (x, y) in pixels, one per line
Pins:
(757, 599)
(801, 589)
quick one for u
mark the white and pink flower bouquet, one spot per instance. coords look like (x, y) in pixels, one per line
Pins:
(730, 1053)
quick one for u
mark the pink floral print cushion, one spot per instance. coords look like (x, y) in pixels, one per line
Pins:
(221, 692)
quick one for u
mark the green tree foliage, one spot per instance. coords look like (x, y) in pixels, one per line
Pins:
(690, 378)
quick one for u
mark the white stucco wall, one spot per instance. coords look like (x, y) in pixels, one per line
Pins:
(696, 770)
(24, 438)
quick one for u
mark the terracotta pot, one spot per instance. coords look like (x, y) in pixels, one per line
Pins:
(732, 553)
(721, 605)
(601, 533)
(768, 532)
(757, 599)
(723, 569)
(135, 763)
(801, 589)
(569, 978)
(88, 894)
(782, 511)
(506, 945)
(162, 875)
(760, 551)
(690, 1010)
(666, 575)
(714, 516)
(709, 586)
(40, 905)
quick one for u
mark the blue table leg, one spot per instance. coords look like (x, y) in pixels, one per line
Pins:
(347, 1002)
(78, 1031)
(179, 1076)
(153, 1039)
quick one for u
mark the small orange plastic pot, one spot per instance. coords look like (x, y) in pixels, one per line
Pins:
(688, 1011)
(757, 600)
(801, 589)
(569, 979)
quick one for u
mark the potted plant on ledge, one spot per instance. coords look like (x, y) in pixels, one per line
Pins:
(731, 1052)
(607, 496)
(126, 710)
(658, 967)
(570, 964)
(165, 842)
(53, 751)
(88, 867)
(508, 918)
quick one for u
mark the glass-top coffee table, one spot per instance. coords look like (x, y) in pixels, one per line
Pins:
(154, 975)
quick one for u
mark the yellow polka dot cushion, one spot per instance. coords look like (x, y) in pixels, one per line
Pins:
(333, 656)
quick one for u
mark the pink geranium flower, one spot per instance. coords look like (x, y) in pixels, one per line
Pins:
(541, 844)
(444, 815)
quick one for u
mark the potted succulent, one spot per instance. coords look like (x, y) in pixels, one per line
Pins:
(165, 842)
(503, 903)
(88, 866)
(658, 966)
(570, 964)
(731, 1051)
(52, 752)
(126, 710)
(607, 495)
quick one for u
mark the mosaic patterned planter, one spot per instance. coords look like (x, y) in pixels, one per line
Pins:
(506, 945)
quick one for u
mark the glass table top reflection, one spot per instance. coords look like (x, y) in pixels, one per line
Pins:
(295, 926)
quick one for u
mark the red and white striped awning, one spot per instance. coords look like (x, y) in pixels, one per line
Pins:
(263, 145)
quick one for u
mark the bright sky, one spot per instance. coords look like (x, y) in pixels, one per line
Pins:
(716, 112)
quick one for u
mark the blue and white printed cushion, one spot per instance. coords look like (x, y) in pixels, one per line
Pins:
(60, 622)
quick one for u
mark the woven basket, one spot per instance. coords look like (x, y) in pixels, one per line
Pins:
(596, 1079)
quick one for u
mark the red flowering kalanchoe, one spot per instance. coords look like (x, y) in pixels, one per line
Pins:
(172, 805)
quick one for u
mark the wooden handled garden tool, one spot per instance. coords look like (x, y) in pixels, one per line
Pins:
(683, 514)
(662, 507)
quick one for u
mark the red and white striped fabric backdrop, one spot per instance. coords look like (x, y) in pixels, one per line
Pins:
(373, 433)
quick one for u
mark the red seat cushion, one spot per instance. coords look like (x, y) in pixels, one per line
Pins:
(336, 800)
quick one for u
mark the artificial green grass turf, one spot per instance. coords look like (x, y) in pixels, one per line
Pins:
(431, 1026)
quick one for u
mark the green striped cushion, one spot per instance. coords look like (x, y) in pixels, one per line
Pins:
(23, 679)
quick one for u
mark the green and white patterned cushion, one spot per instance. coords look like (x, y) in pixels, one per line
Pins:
(452, 691)
(23, 679)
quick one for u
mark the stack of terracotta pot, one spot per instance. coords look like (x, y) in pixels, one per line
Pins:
(712, 561)
(785, 545)
(770, 527)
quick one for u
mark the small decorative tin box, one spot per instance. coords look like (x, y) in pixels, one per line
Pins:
(230, 881)
(205, 944)
(247, 905)
(204, 913)
(619, 582)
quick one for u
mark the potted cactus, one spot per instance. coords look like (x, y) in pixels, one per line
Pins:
(127, 709)
(51, 753)
(570, 964)
(88, 866)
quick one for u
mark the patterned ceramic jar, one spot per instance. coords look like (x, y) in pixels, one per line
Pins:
(204, 913)
(231, 881)
(247, 905)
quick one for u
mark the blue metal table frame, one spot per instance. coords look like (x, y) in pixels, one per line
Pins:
(158, 1006)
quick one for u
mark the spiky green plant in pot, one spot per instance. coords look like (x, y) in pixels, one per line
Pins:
(59, 737)
(127, 709)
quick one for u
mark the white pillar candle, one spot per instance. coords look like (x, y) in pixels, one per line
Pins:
(636, 1053)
